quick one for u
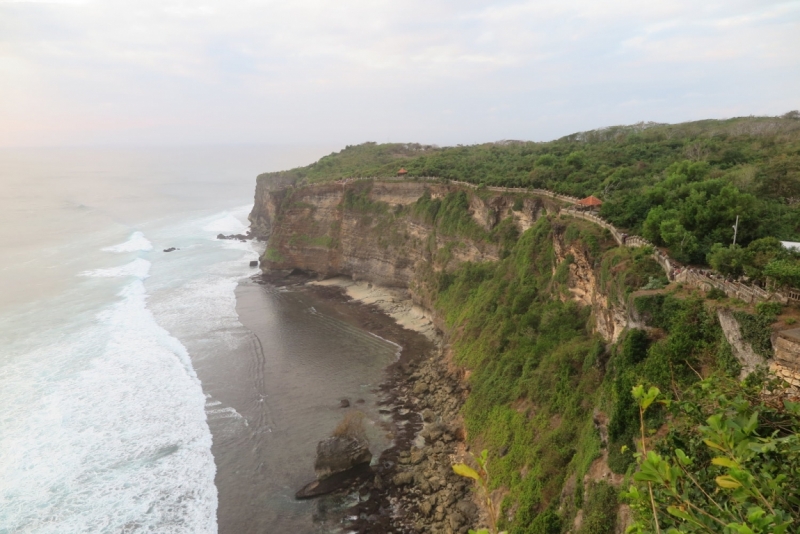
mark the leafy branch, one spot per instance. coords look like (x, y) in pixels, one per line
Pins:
(747, 487)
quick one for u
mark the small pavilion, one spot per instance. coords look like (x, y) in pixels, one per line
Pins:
(402, 172)
(589, 203)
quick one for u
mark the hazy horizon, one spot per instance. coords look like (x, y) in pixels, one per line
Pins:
(179, 73)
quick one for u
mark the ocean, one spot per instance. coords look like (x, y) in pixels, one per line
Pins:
(138, 394)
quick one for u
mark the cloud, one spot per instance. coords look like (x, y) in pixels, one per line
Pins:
(176, 72)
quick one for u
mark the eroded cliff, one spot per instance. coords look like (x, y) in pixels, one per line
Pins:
(535, 304)
(383, 232)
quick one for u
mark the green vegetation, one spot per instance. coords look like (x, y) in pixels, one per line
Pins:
(536, 375)
(272, 254)
(481, 477)
(756, 329)
(761, 259)
(450, 215)
(538, 372)
(356, 198)
(323, 241)
(600, 512)
(681, 186)
(730, 464)
(706, 453)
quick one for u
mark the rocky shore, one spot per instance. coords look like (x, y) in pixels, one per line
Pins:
(412, 487)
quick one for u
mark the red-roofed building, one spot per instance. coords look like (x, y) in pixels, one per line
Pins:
(589, 203)
(402, 172)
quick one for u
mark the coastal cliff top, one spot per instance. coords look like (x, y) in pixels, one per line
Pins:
(577, 164)
(681, 186)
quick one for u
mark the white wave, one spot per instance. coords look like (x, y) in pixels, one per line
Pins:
(138, 268)
(227, 223)
(107, 432)
(221, 413)
(135, 243)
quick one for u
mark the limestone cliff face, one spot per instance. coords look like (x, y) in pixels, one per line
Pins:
(610, 318)
(367, 230)
(269, 191)
(362, 230)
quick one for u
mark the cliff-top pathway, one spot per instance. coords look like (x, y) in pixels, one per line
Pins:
(703, 279)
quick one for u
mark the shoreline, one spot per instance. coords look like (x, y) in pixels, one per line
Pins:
(413, 488)
(396, 303)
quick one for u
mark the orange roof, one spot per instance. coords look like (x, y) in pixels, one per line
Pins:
(402, 171)
(591, 200)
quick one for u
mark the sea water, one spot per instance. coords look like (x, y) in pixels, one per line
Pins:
(104, 421)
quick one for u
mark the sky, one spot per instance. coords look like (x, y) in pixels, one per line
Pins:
(165, 72)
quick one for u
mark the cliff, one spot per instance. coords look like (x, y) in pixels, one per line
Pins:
(365, 229)
(552, 322)
(373, 230)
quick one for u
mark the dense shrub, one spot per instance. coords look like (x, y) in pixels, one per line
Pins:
(682, 186)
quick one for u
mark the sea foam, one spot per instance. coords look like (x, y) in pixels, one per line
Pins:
(227, 223)
(136, 242)
(114, 436)
(138, 268)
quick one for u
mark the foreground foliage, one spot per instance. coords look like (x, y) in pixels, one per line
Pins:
(481, 477)
(731, 463)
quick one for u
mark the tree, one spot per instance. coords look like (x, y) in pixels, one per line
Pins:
(761, 252)
(727, 260)
(784, 272)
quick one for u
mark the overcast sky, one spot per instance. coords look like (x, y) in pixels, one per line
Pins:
(148, 72)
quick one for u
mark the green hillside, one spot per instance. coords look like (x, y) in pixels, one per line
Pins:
(579, 429)
(681, 186)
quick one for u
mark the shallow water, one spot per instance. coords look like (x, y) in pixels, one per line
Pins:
(123, 368)
(299, 360)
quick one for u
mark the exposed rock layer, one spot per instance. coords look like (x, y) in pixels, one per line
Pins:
(365, 231)
(312, 229)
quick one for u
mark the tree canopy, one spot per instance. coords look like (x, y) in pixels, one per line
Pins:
(681, 186)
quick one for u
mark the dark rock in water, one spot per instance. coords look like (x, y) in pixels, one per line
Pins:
(360, 401)
(170, 249)
(357, 474)
(254, 263)
(240, 237)
(340, 453)
(341, 461)
(344, 403)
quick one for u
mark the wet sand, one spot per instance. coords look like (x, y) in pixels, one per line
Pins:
(304, 349)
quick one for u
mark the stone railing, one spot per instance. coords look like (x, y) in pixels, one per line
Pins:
(345, 181)
(588, 216)
(793, 294)
(541, 192)
(632, 241)
(692, 277)
(706, 280)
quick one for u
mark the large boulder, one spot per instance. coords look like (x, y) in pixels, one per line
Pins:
(340, 453)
